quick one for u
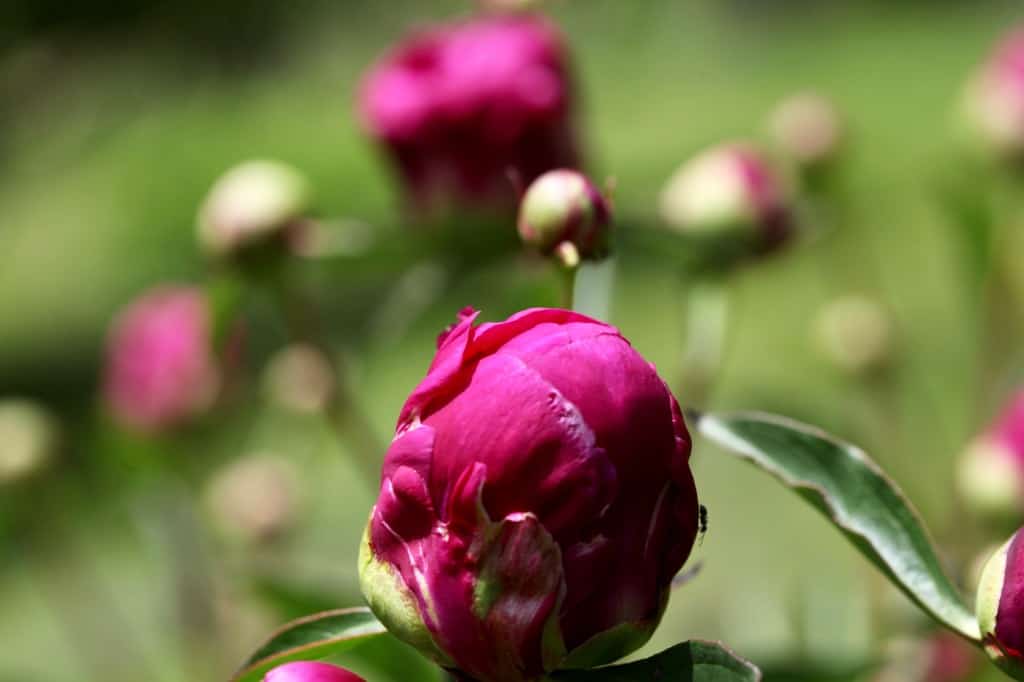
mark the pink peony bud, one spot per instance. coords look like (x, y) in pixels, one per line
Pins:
(991, 472)
(808, 128)
(29, 439)
(310, 671)
(461, 108)
(1000, 607)
(730, 193)
(565, 206)
(160, 370)
(995, 98)
(535, 503)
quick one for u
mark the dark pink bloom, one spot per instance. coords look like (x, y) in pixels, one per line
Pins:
(1001, 606)
(459, 107)
(160, 369)
(310, 671)
(536, 500)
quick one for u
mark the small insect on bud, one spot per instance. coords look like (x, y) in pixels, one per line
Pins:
(991, 471)
(310, 671)
(729, 194)
(1000, 607)
(28, 439)
(855, 334)
(252, 204)
(563, 206)
(809, 130)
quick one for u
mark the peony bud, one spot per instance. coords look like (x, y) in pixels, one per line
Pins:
(462, 107)
(254, 498)
(1000, 607)
(300, 378)
(808, 129)
(160, 368)
(564, 206)
(991, 471)
(535, 502)
(28, 439)
(310, 671)
(728, 193)
(855, 334)
(250, 205)
(994, 101)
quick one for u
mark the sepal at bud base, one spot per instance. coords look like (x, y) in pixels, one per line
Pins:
(1000, 607)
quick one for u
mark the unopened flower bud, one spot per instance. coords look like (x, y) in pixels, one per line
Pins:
(300, 378)
(254, 498)
(994, 100)
(535, 502)
(28, 439)
(310, 671)
(1000, 607)
(855, 334)
(251, 204)
(565, 206)
(808, 129)
(160, 365)
(991, 471)
(729, 193)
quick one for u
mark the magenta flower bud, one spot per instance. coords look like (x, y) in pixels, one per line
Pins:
(1000, 607)
(535, 502)
(462, 108)
(991, 471)
(729, 193)
(251, 204)
(808, 128)
(995, 98)
(565, 206)
(160, 367)
(310, 671)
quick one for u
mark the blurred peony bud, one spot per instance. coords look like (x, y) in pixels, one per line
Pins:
(1000, 607)
(941, 657)
(160, 368)
(28, 439)
(728, 193)
(854, 333)
(536, 500)
(565, 206)
(462, 107)
(251, 204)
(991, 470)
(254, 498)
(808, 129)
(310, 671)
(994, 101)
(300, 378)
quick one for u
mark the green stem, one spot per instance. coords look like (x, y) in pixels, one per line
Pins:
(706, 338)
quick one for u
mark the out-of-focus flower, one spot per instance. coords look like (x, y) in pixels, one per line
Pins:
(808, 129)
(994, 101)
(310, 671)
(729, 193)
(160, 366)
(28, 439)
(991, 470)
(462, 107)
(1000, 607)
(565, 206)
(535, 503)
(254, 498)
(854, 333)
(300, 378)
(252, 204)
(941, 657)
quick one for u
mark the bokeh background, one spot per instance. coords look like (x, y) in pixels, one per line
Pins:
(115, 118)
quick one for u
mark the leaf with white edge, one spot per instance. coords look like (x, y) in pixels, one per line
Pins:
(693, 661)
(312, 637)
(842, 482)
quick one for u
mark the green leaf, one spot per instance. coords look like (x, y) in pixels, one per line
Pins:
(312, 637)
(692, 661)
(842, 482)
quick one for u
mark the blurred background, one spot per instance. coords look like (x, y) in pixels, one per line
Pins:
(170, 557)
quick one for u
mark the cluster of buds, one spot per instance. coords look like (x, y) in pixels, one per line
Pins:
(729, 194)
(563, 213)
(536, 501)
(994, 102)
(991, 471)
(161, 369)
(461, 108)
(1000, 606)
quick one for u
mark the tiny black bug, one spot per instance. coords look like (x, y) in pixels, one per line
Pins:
(703, 515)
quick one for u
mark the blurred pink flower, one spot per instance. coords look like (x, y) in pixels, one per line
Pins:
(460, 107)
(995, 97)
(160, 368)
(991, 473)
(310, 671)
